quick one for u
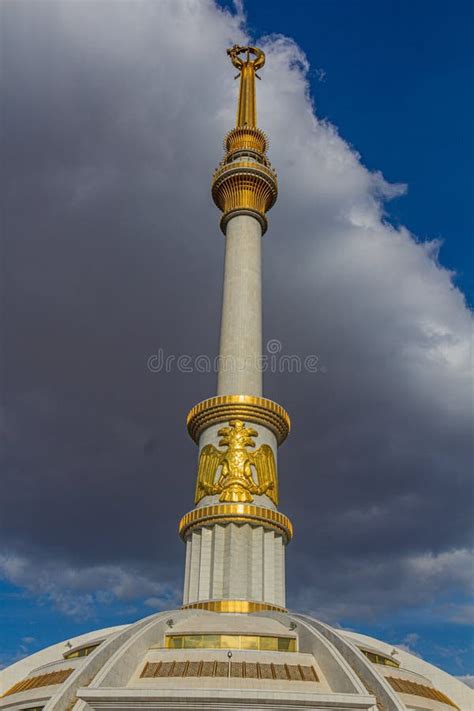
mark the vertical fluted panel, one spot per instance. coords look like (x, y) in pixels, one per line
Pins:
(187, 571)
(205, 564)
(269, 565)
(217, 582)
(227, 563)
(195, 565)
(235, 562)
(279, 591)
(256, 562)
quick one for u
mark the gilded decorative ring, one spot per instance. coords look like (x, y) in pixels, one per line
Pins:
(235, 606)
(243, 170)
(236, 513)
(248, 408)
(244, 137)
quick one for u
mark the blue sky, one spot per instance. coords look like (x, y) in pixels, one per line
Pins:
(84, 418)
(396, 78)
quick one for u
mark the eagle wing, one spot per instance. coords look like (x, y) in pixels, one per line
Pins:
(209, 460)
(264, 462)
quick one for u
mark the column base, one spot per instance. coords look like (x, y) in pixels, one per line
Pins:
(234, 567)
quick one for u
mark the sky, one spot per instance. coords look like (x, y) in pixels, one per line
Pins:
(113, 119)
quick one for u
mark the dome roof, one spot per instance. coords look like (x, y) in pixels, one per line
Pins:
(198, 659)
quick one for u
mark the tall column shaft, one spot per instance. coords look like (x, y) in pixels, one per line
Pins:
(235, 536)
(240, 370)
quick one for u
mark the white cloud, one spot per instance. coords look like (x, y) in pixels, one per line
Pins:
(409, 642)
(452, 567)
(461, 614)
(428, 581)
(25, 647)
(79, 592)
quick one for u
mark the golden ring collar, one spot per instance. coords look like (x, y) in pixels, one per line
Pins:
(248, 408)
(244, 187)
(239, 606)
(236, 513)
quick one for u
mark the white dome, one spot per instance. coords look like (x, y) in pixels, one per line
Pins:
(203, 660)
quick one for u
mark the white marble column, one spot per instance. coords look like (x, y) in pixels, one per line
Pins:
(235, 562)
(227, 558)
(240, 370)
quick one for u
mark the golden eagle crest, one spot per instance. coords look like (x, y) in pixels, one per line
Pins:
(236, 481)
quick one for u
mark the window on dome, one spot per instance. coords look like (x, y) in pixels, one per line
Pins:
(249, 642)
(231, 641)
(82, 652)
(285, 644)
(380, 659)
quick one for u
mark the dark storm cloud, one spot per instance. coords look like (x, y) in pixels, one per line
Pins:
(113, 119)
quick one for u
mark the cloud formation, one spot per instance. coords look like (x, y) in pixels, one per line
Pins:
(77, 592)
(113, 121)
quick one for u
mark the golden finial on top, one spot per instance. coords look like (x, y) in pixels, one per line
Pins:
(244, 182)
(234, 52)
(247, 107)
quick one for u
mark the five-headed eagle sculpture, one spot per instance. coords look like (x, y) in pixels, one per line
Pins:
(236, 481)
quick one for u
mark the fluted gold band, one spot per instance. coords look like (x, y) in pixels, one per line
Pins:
(247, 185)
(245, 138)
(236, 513)
(236, 606)
(248, 408)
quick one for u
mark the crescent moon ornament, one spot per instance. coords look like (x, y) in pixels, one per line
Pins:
(238, 62)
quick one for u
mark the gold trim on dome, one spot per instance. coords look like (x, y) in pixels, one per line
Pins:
(236, 606)
(236, 513)
(406, 686)
(36, 682)
(248, 408)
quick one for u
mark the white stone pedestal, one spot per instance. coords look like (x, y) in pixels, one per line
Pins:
(235, 562)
